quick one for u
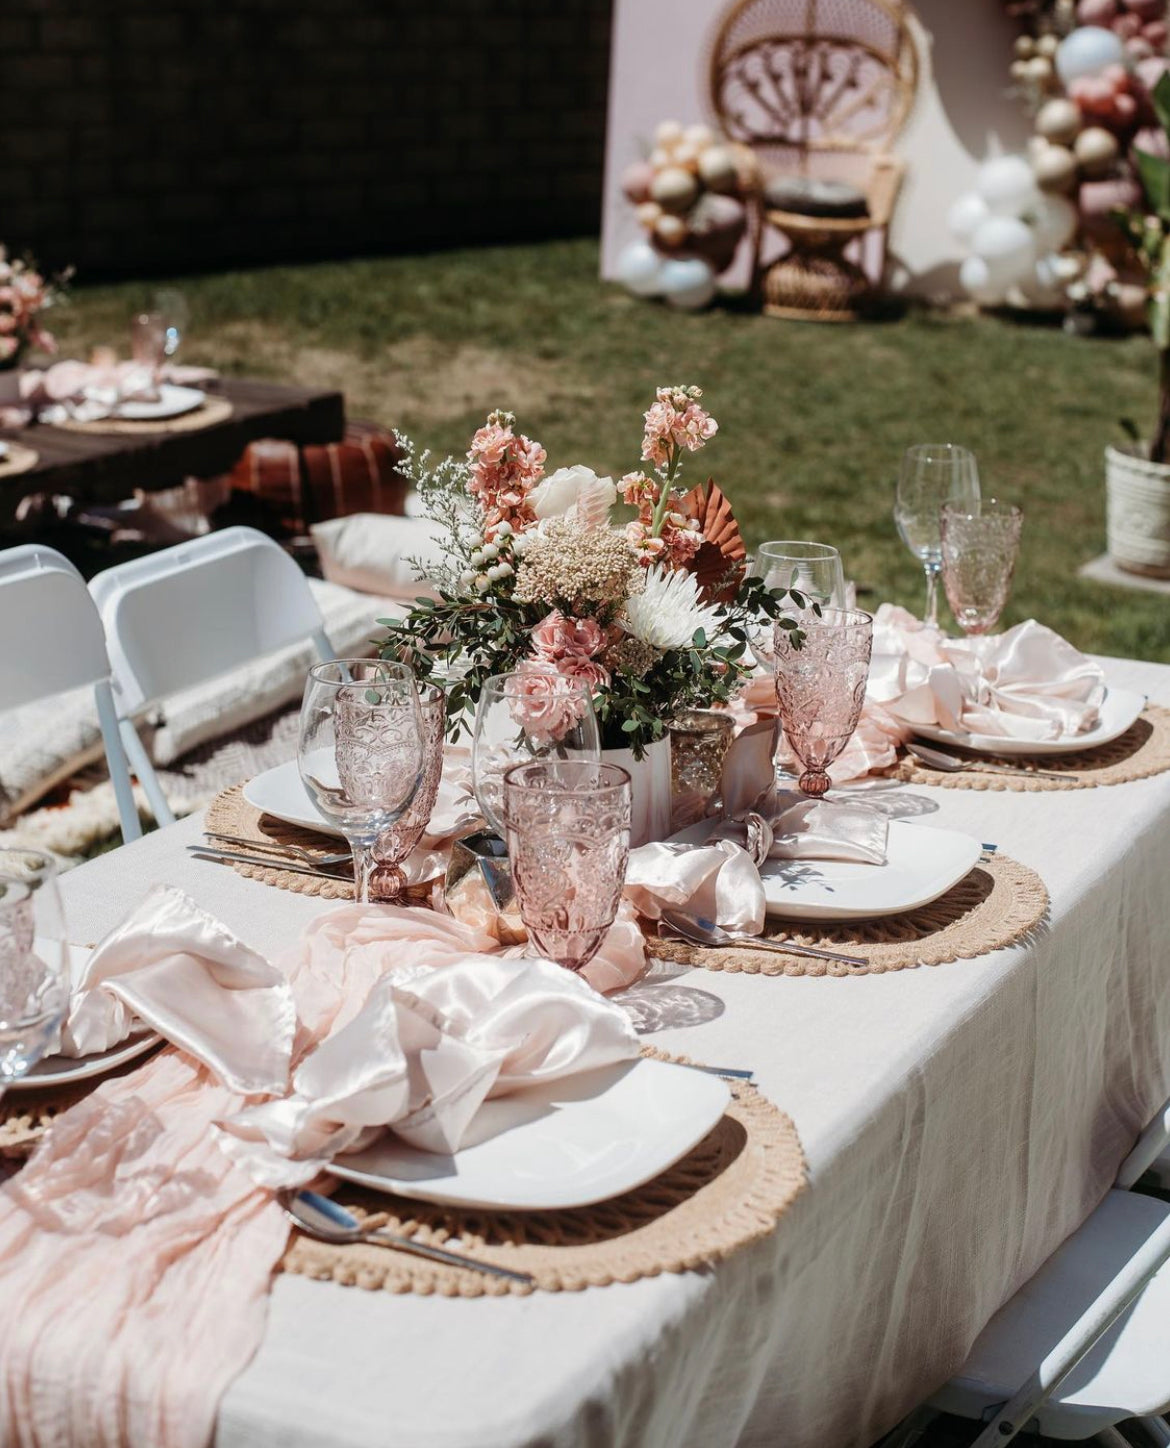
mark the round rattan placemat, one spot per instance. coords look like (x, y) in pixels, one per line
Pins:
(1140, 752)
(229, 813)
(726, 1193)
(210, 412)
(999, 903)
(20, 459)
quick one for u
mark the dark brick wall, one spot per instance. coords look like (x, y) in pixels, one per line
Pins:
(162, 135)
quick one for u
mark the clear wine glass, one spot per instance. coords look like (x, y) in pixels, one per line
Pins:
(820, 688)
(568, 832)
(34, 960)
(980, 545)
(532, 714)
(395, 843)
(170, 305)
(812, 569)
(932, 474)
(361, 752)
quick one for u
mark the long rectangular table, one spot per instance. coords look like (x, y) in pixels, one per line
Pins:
(959, 1122)
(104, 467)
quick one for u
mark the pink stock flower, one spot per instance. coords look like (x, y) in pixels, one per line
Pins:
(676, 423)
(505, 467)
(557, 637)
(545, 703)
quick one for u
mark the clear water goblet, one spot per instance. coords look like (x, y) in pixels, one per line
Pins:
(568, 833)
(34, 960)
(396, 843)
(361, 752)
(820, 688)
(932, 474)
(531, 714)
(980, 545)
(813, 570)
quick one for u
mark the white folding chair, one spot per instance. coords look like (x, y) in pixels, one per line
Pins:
(189, 613)
(50, 641)
(1089, 1330)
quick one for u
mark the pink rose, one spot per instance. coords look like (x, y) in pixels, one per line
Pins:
(557, 637)
(589, 671)
(545, 704)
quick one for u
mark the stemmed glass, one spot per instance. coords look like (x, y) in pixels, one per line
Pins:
(568, 831)
(532, 714)
(170, 306)
(361, 752)
(980, 545)
(820, 688)
(148, 343)
(396, 843)
(34, 960)
(932, 474)
(812, 569)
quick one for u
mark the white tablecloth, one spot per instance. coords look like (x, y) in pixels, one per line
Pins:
(959, 1122)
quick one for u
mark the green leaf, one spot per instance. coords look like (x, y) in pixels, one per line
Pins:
(630, 726)
(1154, 174)
(1160, 96)
(1130, 428)
(700, 638)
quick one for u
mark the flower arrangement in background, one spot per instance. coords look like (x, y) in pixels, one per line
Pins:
(25, 295)
(637, 587)
(690, 198)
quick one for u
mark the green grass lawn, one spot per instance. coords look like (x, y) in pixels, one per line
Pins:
(813, 419)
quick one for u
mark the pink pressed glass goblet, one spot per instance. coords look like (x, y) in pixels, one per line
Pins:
(820, 687)
(396, 843)
(980, 545)
(568, 832)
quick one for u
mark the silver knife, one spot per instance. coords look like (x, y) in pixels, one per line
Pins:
(209, 852)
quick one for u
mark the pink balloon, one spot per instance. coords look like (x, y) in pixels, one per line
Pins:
(1146, 9)
(1151, 71)
(1127, 26)
(1154, 140)
(1157, 32)
(636, 179)
(1124, 108)
(1096, 12)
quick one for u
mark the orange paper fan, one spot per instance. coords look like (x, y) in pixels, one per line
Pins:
(718, 564)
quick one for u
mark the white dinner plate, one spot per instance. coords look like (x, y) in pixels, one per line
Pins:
(65, 1070)
(566, 1144)
(1119, 712)
(171, 401)
(281, 792)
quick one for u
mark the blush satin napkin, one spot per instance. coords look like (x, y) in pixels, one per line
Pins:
(87, 391)
(135, 1252)
(712, 869)
(1027, 683)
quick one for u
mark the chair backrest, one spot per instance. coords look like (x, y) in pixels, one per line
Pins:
(794, 77)
(189, 613)
(50, 634)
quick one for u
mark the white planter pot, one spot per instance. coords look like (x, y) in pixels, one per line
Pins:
(649, 790)
(1138, 498)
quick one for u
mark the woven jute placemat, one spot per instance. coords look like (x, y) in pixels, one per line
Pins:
(1140, 752)
(19, 460)
(210, 412)
(726, 1193)
(999, 903)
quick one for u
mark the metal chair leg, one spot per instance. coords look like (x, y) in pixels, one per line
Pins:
(910, 1429)
(142, 767)
(116, 760)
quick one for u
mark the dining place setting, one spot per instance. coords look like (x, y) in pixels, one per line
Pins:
(377, 1017)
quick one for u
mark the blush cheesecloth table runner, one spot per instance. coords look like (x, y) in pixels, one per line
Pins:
(958, 1125)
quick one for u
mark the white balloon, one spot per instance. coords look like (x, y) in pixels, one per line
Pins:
(965, 215)
(1054, 222)
(640, 269)
(687, 282)
(975, 279)
(1008, 185)
(1088, 51)
(1043, 288)
(1008, 247)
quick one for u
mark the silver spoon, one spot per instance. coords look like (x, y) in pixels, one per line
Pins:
(329, 1221)
(951, 764)
(706, 932)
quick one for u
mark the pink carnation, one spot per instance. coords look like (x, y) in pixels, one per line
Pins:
(557, 637)
(545, 703)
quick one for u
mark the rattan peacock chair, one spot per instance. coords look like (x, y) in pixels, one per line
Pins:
(819, 89)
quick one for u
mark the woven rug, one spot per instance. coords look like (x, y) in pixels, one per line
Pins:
(726, 1193)
(208, 414)
(1140, 752)
(1001, 902)
(19, 460)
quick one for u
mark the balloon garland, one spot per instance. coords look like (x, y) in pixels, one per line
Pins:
(690, 197)
(1041, 228)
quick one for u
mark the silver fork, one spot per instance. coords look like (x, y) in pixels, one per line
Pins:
(306, 857)
(951, 764)
(706, 932)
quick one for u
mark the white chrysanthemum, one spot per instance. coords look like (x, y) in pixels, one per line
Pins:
(667, 613)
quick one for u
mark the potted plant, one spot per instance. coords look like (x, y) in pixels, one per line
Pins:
(1138, 475)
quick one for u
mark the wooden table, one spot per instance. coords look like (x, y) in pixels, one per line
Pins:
(105, 467)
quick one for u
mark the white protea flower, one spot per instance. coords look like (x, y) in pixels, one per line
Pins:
(668, 611)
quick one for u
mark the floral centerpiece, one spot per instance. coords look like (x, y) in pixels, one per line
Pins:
(636, 586)
(25, 294)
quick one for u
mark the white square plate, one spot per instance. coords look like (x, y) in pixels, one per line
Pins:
(567, 1144)
(1119, 712)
